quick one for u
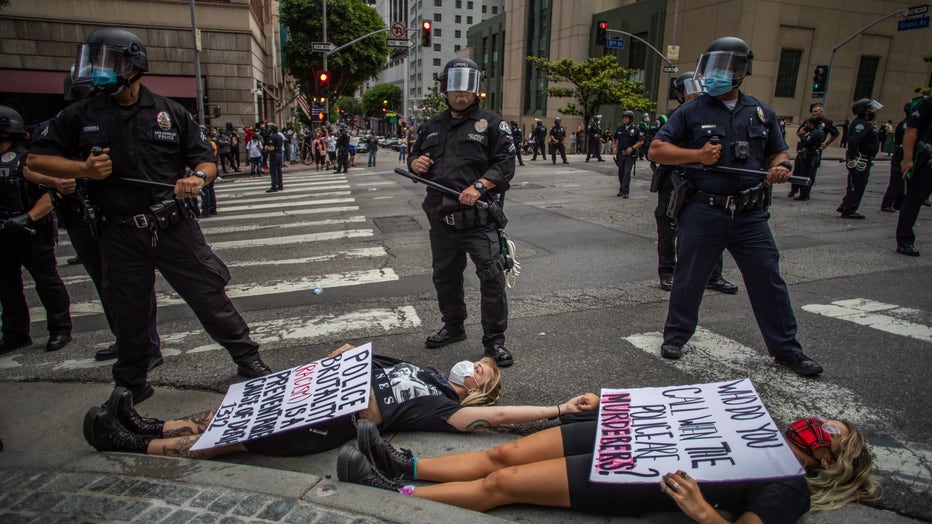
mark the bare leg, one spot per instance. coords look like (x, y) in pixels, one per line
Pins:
(543, 445)
(181, 447)
(190, 425)
(540, 483)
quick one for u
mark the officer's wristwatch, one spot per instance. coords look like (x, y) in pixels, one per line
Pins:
(479, 186)
(786, 165)
(202, 175)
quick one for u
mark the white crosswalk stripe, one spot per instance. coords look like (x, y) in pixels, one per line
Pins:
(876, 315)
(712, 357)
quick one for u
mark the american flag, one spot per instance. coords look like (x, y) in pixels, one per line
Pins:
(302, 101)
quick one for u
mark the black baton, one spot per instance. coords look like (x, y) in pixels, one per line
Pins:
(798, 180)
(435, 185)
(96, 150)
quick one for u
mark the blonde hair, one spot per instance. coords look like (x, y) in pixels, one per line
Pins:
(490, 391)
(849, 480)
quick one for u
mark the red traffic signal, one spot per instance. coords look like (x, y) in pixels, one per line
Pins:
(601, 35)
(425, 33)
(322, 81)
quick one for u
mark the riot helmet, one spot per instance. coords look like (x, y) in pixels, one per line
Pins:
(11, 121)
(272, 127)
(557, 120)
(628, 114)
(597, 118)
(866, 106)
(724, 65)
(686, 85)
(108, 55)
(514, 123)
(460, 74)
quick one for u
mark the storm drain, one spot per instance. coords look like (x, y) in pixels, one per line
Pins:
(397, 224)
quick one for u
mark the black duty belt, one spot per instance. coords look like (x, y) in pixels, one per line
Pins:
(140, 221)
(751, 199)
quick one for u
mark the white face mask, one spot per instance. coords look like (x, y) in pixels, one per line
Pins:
(461, 370)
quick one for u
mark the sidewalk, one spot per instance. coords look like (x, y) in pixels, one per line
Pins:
(48, 473)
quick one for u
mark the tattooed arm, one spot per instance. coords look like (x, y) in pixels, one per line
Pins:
(190, 425)
(479, 417)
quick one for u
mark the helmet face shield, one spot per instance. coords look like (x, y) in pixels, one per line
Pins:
(874, 106)
(723, 61)
(462, 79)
(101, 65)
(691, 86)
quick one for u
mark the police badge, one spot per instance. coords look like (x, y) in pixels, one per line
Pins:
(165, 121)
(482, 125)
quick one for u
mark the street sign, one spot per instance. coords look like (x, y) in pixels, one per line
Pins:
(913, 23)
(392, 42)
(398, 30)
(321, 46)
(918, 10)
(615, 43)
(673, 53)
(818, 94)
(671, 69)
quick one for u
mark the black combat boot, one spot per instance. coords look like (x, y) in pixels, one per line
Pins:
(105, 433)
(352, 466)
(397, 465)
(120, 406)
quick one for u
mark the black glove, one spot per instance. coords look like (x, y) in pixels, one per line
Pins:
(20, 224)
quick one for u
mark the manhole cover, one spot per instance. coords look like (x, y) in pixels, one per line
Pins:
(396, 224)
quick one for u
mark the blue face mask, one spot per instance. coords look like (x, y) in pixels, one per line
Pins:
(103, 77)
(718, 82)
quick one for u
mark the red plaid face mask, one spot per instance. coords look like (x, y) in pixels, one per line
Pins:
(811, 434)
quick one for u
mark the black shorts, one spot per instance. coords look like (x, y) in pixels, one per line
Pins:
(604, 498)
(306, 440)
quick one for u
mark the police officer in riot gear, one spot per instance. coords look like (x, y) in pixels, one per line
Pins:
(73, 206)
(863, 145)
(684, 88)
(808, 155)
(469, 150)
(343, 142)
(134, 133)
(558, 140)
(518, 136)
(594, 138)
(829, 134)
(728, 128)
(625, 142)
(275, 147)
(539, 134)
(27, 234)
(917, 168)
(896, 188)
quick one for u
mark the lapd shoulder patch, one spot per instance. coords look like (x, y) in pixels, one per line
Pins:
(8, 157)
(760, 113)
(859, 128)
(504, 127)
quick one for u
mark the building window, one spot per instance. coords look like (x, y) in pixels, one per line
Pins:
(458, 19)
(494, 9)
(468, 20)
(867, 72)
(459, 4)
(484, 9)
(786, 75)
(538, 44)
(457, 47)
(458, 34)
(437, 47)
(469, 5)
(438, 17)
(437, 32)
(438, 3)
(437, 62)
(637, 59)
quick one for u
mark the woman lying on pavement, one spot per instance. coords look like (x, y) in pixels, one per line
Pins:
(403, 397)
(551, 468)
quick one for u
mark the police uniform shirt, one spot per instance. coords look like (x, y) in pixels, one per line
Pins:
(921, 118)
(557, 133)
(862, 139)
(518, 135)
(828, 127)
(626, 136)
(17, 195)
(463, 150)
(698, 120)
(594, 131)
(276, 140)
(811, 142)
(154, 139)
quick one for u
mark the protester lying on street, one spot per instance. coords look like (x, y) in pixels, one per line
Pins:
(403, 397)
(552, 468)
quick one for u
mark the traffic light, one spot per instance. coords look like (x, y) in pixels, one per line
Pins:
(601, 35)
(322, 81)
(425, 33)
(819, 80)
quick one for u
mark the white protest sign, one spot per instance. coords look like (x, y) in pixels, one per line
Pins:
(714, 432)
(301, 396)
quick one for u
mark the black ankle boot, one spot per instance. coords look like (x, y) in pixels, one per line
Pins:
(104, 433)
(352, 466)
(120, 406)
(398, 465)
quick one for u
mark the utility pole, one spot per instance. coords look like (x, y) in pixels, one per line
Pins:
(326, 98)
(198, 89)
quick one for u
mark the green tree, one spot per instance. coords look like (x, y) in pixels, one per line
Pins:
(372, 100)
(433, 103)
(346, 20)
(596, 81)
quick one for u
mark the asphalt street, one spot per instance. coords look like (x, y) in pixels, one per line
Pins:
(586, 311)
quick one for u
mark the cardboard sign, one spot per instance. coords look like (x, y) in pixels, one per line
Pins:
(294, 398)
(714, 432)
